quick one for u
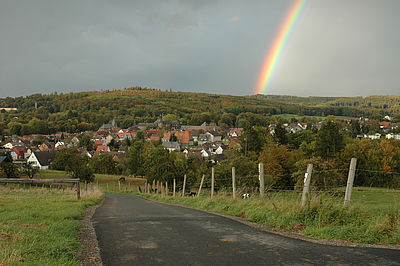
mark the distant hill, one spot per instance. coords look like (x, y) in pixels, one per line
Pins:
(89, 110)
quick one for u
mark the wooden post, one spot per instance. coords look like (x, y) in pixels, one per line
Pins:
(145, 187)
(107, 187)
(153, 187)
(158, 186)
(166, 189)
(201, 184)
(78, 190)
(119, 185)
(306, 188)
(184, 186)
(174, 193)
(233, 183)
(148, 188)
(212, 182)
(261, 177)
(161, 189)
(350, 181)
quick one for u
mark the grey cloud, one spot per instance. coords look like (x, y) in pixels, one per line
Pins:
(337, 47)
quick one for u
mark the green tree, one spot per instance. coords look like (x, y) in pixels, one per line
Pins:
(135, 158)
(329, 139)
(29, 170)
(280, 135)
(14, 128)
(103, 164)
(85, 140)
(38, 140)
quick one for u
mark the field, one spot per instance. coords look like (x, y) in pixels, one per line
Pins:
(39, 226)
(372, 218)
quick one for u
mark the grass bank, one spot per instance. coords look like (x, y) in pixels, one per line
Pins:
(39, 226)
(372, 218)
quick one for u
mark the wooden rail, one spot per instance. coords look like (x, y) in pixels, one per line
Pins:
(30, 181)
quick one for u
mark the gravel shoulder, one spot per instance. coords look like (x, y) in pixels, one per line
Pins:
(90, 253)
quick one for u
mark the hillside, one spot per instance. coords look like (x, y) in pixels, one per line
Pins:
(89, 110)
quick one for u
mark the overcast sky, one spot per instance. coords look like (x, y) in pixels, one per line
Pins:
(337, 48)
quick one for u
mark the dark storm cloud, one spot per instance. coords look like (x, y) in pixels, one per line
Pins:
(209, 46)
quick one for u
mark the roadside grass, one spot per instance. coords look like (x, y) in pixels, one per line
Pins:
(372, 218)
(108, 183)
(39, 226)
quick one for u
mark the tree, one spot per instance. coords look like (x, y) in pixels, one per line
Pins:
(253, 139)
(103, 164)
(29, 170)
(65, 159)
(329, 139)
(7, 167)
(135, 158)
(81, 170)
(280, 134)
(279, 163)
(85, 140)
(14, 128)
(38, 140)
(296, 139)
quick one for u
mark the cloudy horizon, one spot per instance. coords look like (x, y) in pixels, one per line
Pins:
(337, 48)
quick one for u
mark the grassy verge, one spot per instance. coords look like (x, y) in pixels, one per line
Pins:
(372, 218)
(39, 226)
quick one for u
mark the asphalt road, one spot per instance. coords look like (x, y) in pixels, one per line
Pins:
(136, 231)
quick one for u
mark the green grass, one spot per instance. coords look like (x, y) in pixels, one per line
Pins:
(39, 226)
(372, 218)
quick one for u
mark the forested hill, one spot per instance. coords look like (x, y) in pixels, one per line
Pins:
(89, 110)
(383, 103)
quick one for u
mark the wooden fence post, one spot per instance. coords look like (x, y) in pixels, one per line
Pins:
(158, 187)
(306, 187)
(350, 181)
(212, 182)
(119, 185)
(261, 178)
(166, 189)
(201, 184)
(78, 190)
(184, 186)
(174, 193)
(233, 182)
(153, 187)
(161, 189)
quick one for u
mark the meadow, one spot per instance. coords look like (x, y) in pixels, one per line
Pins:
(39, 225)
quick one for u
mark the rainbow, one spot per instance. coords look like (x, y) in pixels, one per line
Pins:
(272, 58)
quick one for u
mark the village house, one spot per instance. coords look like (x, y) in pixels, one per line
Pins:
(182, 137)
(235, 132)
(214, 136)
(42, 159)
(385, 126)
(102, 149)
(393, 136)
(171, 146)
(18, 152)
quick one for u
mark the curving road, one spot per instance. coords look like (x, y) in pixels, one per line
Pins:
(135, 231)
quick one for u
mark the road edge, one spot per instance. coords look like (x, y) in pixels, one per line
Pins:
(283, 232)
(89, 254)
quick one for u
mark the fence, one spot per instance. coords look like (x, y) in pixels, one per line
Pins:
(45, 181)
(264, 188)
